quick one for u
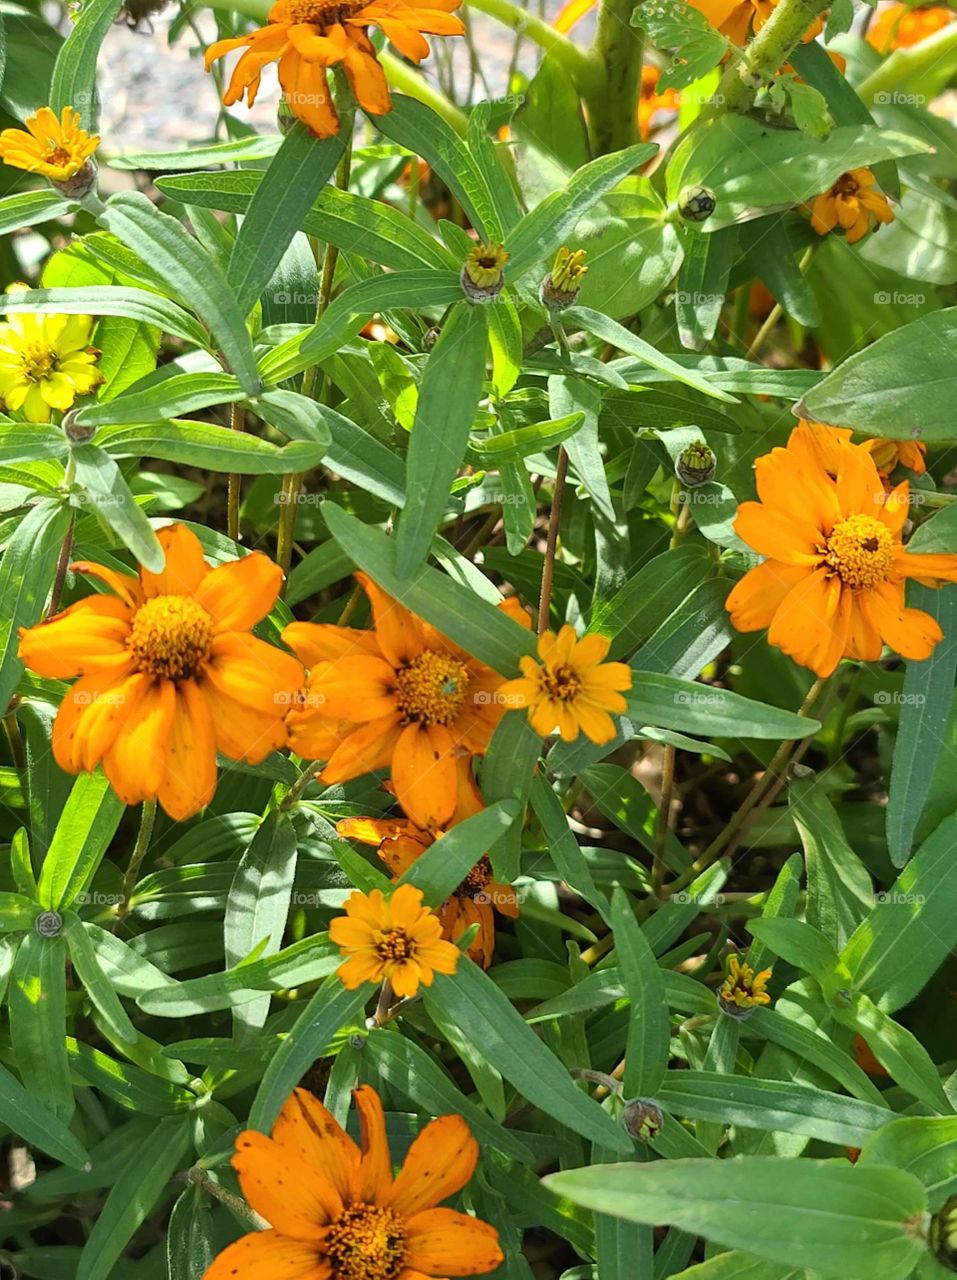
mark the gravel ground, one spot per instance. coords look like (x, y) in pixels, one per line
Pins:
(157, 96)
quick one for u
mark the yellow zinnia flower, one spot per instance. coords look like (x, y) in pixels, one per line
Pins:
(169, 674)
(850, 204)
(45, 362)
(306, 37)
(742, 988)
(395, 938)
(573, 689)
(57, 149)
(336, 1211)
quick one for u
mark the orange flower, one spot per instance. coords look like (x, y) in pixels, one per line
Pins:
(899, 26)
(399, 842)
(833, 584)
(652, 103)
(337, 1212)
(393, 939)
(850, 204)
(55, 148)
(742, 988)
(736, 18)
(402, 696)
(169, 673)
(306, 37)
(889, 454)
(573, 689)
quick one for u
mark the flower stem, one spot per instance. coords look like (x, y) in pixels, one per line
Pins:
(237, 421)
(905, 65)
(582, 68)
(766, 53)
(777, 310)
(143, 836)
(201, 1178)
(298, 787)
(551, 543)
(62, 564)
(617, 54)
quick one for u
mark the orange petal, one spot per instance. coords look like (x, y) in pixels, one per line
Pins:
(358, 689)
(773, 534)
(90, 717)
(306, 1128)
(909, 632)
(280, 1186)
(266, 1255)
(424, 774)
(254, 673)
(126, 587)
(238, 594)
(189, 783)
(369, 748)
(243, 733)
(754, 600)
(399, 631)
(306, 87)
(439, 1163)
(185, 567)
(375, 1174)
(443, 1242)
(367, 77)
(136, 762)
(87, 637)
(803, 627)
(314, 642)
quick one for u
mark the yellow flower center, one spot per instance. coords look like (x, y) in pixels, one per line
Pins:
(366, 1243)
(563, 683)
(860, 551)
(395, 945)
(171, 637)
(320, 14)
(37, 362)
(431, 688)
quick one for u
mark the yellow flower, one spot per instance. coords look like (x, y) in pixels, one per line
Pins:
(899, 26)
(58, 149)
(850, 204)
(395, 938)
(45, 362)
(742, 987)
(335, 1210)
(573, 689)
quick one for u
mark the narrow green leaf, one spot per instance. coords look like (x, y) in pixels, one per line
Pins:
(446, 863)
(201, 444)
(95, 981)
(649, 1033)
(24, 1115)
(74, 75)
(115, 505)
(86, 827)
(37, 1002)
(110, 300)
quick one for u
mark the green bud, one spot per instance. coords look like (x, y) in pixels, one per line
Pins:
(696, 465)
(642, 1119)
(696, 204)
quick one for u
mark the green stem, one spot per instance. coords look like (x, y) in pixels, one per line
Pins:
(580, 66)
(143, 837)
(298, 787)
(767, 52)
(906, 64)
(237, 421)
(617, 54)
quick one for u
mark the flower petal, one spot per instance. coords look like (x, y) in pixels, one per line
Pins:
(136, 762)
(189, 783)
(266, 1255)
(439, 1163)
(87, 637)
(443, 1242)
(424, 774)
(280, 1186)
(238, 594)
(313, 1133)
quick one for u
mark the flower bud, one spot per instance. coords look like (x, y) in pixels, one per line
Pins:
(696, 204)
(74, 433)
(483, 275)
(561, 286)
(49, 924)
(642, 1119)
(696, 465)
(431, 337)
(943, 1234)
(79, 184)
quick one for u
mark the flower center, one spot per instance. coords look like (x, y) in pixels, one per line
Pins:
(366, 1243)
(431, 688)
(59, 155)
(860, 551)
(475, 883)
(846, 186)
(320, 14)
(562, 682)
(37, 362)
(171, 637)
(395, 944)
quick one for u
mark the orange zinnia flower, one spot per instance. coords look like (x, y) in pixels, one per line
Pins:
(401, 695)
(734, 18)
(887, 454)
(169, 673)
(899, 26)
(306, 37)
(55, 148)
(651, 103)
(833, 583)
(394, 939)
(337, 1212)
(572, 689)
(850, 204)
(399, 842)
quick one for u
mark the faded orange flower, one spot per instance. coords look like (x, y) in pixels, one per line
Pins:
(899, 25)
(850, 204)
(307, 37)
(169, 674)
(395, 939)
(833, 583)
(337, 1212)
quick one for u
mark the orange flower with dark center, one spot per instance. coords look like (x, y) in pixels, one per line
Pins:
(337, 1212)
(899, 26)
(307, 37)
(399, 842)
(850, 204)
(833, 583)
(394, 939)
(401, 696)
(651, 103)
(169, 673)
(55, 147)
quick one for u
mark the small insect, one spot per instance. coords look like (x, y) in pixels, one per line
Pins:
(449, 687)
(137, 14)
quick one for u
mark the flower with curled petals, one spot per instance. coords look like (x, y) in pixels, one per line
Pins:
(169, 674)
(394, 939)
(307, 37)
(852, 205)
(833, 583)
(336, 1210)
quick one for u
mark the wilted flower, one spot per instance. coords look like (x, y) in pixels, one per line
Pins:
(483, 275)
(743, 989)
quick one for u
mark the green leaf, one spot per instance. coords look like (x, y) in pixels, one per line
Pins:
(24, 1115)
(695, 708)
(201, 444)
(86, 827)
(95, 982)
(110, 300)
(648, 598)
(737, 1265)
(448, 397)
(471, 1000)
(649, 1031)
(924, 1146)
(800, 944)
(254, 146)
(839, 888)
(30, 208)
(165, 397)
(295, 176)
(446, 863)
(109, 494)
(522, 442)
(37, 1002)
(675, 25)
(548, 226)
(295, 415)
(190, 271)
(190, 1244)
(702, 285)
(74, 76)
(134, 1197)
(772, 255)
(815, 1047)
(27, 571)
(624, 340)
(30, 441)
(819, 1214)
(898, 1051)
(330, 1009)
(452, 608)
